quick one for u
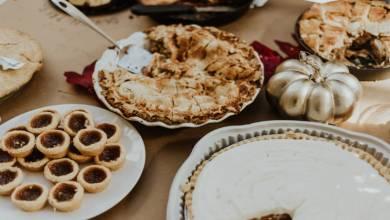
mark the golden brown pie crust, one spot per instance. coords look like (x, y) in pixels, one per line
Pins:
(66, 196)
(197, 74)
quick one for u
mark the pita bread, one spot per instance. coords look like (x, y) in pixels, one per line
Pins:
(17, 45)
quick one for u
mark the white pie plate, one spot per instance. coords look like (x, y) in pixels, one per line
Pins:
(122, 182)
(227, 136)
(109, 61)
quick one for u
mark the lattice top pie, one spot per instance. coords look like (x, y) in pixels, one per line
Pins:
(196, 74)
(356, 32)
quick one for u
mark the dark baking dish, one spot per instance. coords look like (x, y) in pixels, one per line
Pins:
(112, 7)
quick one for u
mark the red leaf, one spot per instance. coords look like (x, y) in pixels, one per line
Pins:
(83, 80)
(270, 58)
(290, 50)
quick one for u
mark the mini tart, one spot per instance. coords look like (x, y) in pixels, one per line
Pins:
(77, 120)
(18, 143)
(90, 141)
(34, 161)
(75, 155)
(66, 196)
(43, 121)
(6, 160)
(61, 170)
(10, 177)
(53, 143)
(90, 3)
(112, 157)
(94, 178)
(30, 197)
(113, 131)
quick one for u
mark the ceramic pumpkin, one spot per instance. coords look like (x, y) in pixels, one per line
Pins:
(313, 90)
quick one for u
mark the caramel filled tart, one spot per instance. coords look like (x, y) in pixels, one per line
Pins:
(66, 196)
(60, 170)
(34, 161)
(77, 120)
(30, 197)
(43, 121)
(113, 131)
(90, 141)
(18, 143)
(94, 178)
(10, 177)
(53, 143)
(112, 157)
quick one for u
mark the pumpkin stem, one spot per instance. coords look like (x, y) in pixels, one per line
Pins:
(314, 62)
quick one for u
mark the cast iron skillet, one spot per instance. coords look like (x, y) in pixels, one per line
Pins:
(353, 69)
(187, 17)
(113, 6)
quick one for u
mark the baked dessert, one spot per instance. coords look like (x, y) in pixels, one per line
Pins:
(6, 160)
(112, 157)
(265, 181)
(77, 120)
(94, 178)
(53, 143)
(21, 47)
(90, 141)
(90, 3)
(197, 2)
(61, 170)
(66, 196)
(43, 121)
(35, 161)
(30, 197)
(75, 155)
(113, 131)
(197, 74)
(18, 143)
(355, 32)
(10, 177)
(18, 128)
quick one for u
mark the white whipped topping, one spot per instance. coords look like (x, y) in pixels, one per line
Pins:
(305, 179)
(7, 63)
(136, 57)
(258, 3)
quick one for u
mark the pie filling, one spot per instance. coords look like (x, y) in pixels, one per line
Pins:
(276, 217)
(109, 129)
(366, 50)
(7, 176)
(90, 137)
(110, 153)
(95, 175)
(53, 139)
(29, 193)
(35, 156)
(17, 141)
(78, 122)
(41, 121)
(74, 150)
(61, 168)
(65, 192)
(5, 156)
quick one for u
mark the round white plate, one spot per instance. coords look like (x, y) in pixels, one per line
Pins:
(227, 136)
(122, 182)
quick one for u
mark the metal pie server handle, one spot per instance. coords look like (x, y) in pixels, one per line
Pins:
(78, 15)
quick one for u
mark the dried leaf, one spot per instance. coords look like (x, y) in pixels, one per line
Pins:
(290, 50)
(83, 80)
(270, 58)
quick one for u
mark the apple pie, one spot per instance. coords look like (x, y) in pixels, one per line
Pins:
(196, 74)
(356, 32)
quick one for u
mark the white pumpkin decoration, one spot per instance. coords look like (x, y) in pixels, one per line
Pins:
(313, 90)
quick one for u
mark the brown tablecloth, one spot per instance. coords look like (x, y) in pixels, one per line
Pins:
(68, 45)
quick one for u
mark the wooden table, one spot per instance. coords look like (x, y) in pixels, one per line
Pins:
(68, 45)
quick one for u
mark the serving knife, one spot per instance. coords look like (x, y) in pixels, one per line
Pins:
(140, 9)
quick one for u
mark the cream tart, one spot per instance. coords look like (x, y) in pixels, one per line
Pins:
(94, 178)
(90, 141)
(77, 120)
(53, 143)
(75, 155)
(197, 74)
(354, 32)
(6, 160)
(10, 177)
(35, 161)
(112, 157)
(43, 121)
(60, 170)
(30, 197)
(66, 196)
(113, 131)
(18, 143)
(289, 176)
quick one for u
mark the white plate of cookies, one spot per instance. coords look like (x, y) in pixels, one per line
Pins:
(67, 162)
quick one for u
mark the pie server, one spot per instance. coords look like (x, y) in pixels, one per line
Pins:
(131, 58)
(140, 9)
